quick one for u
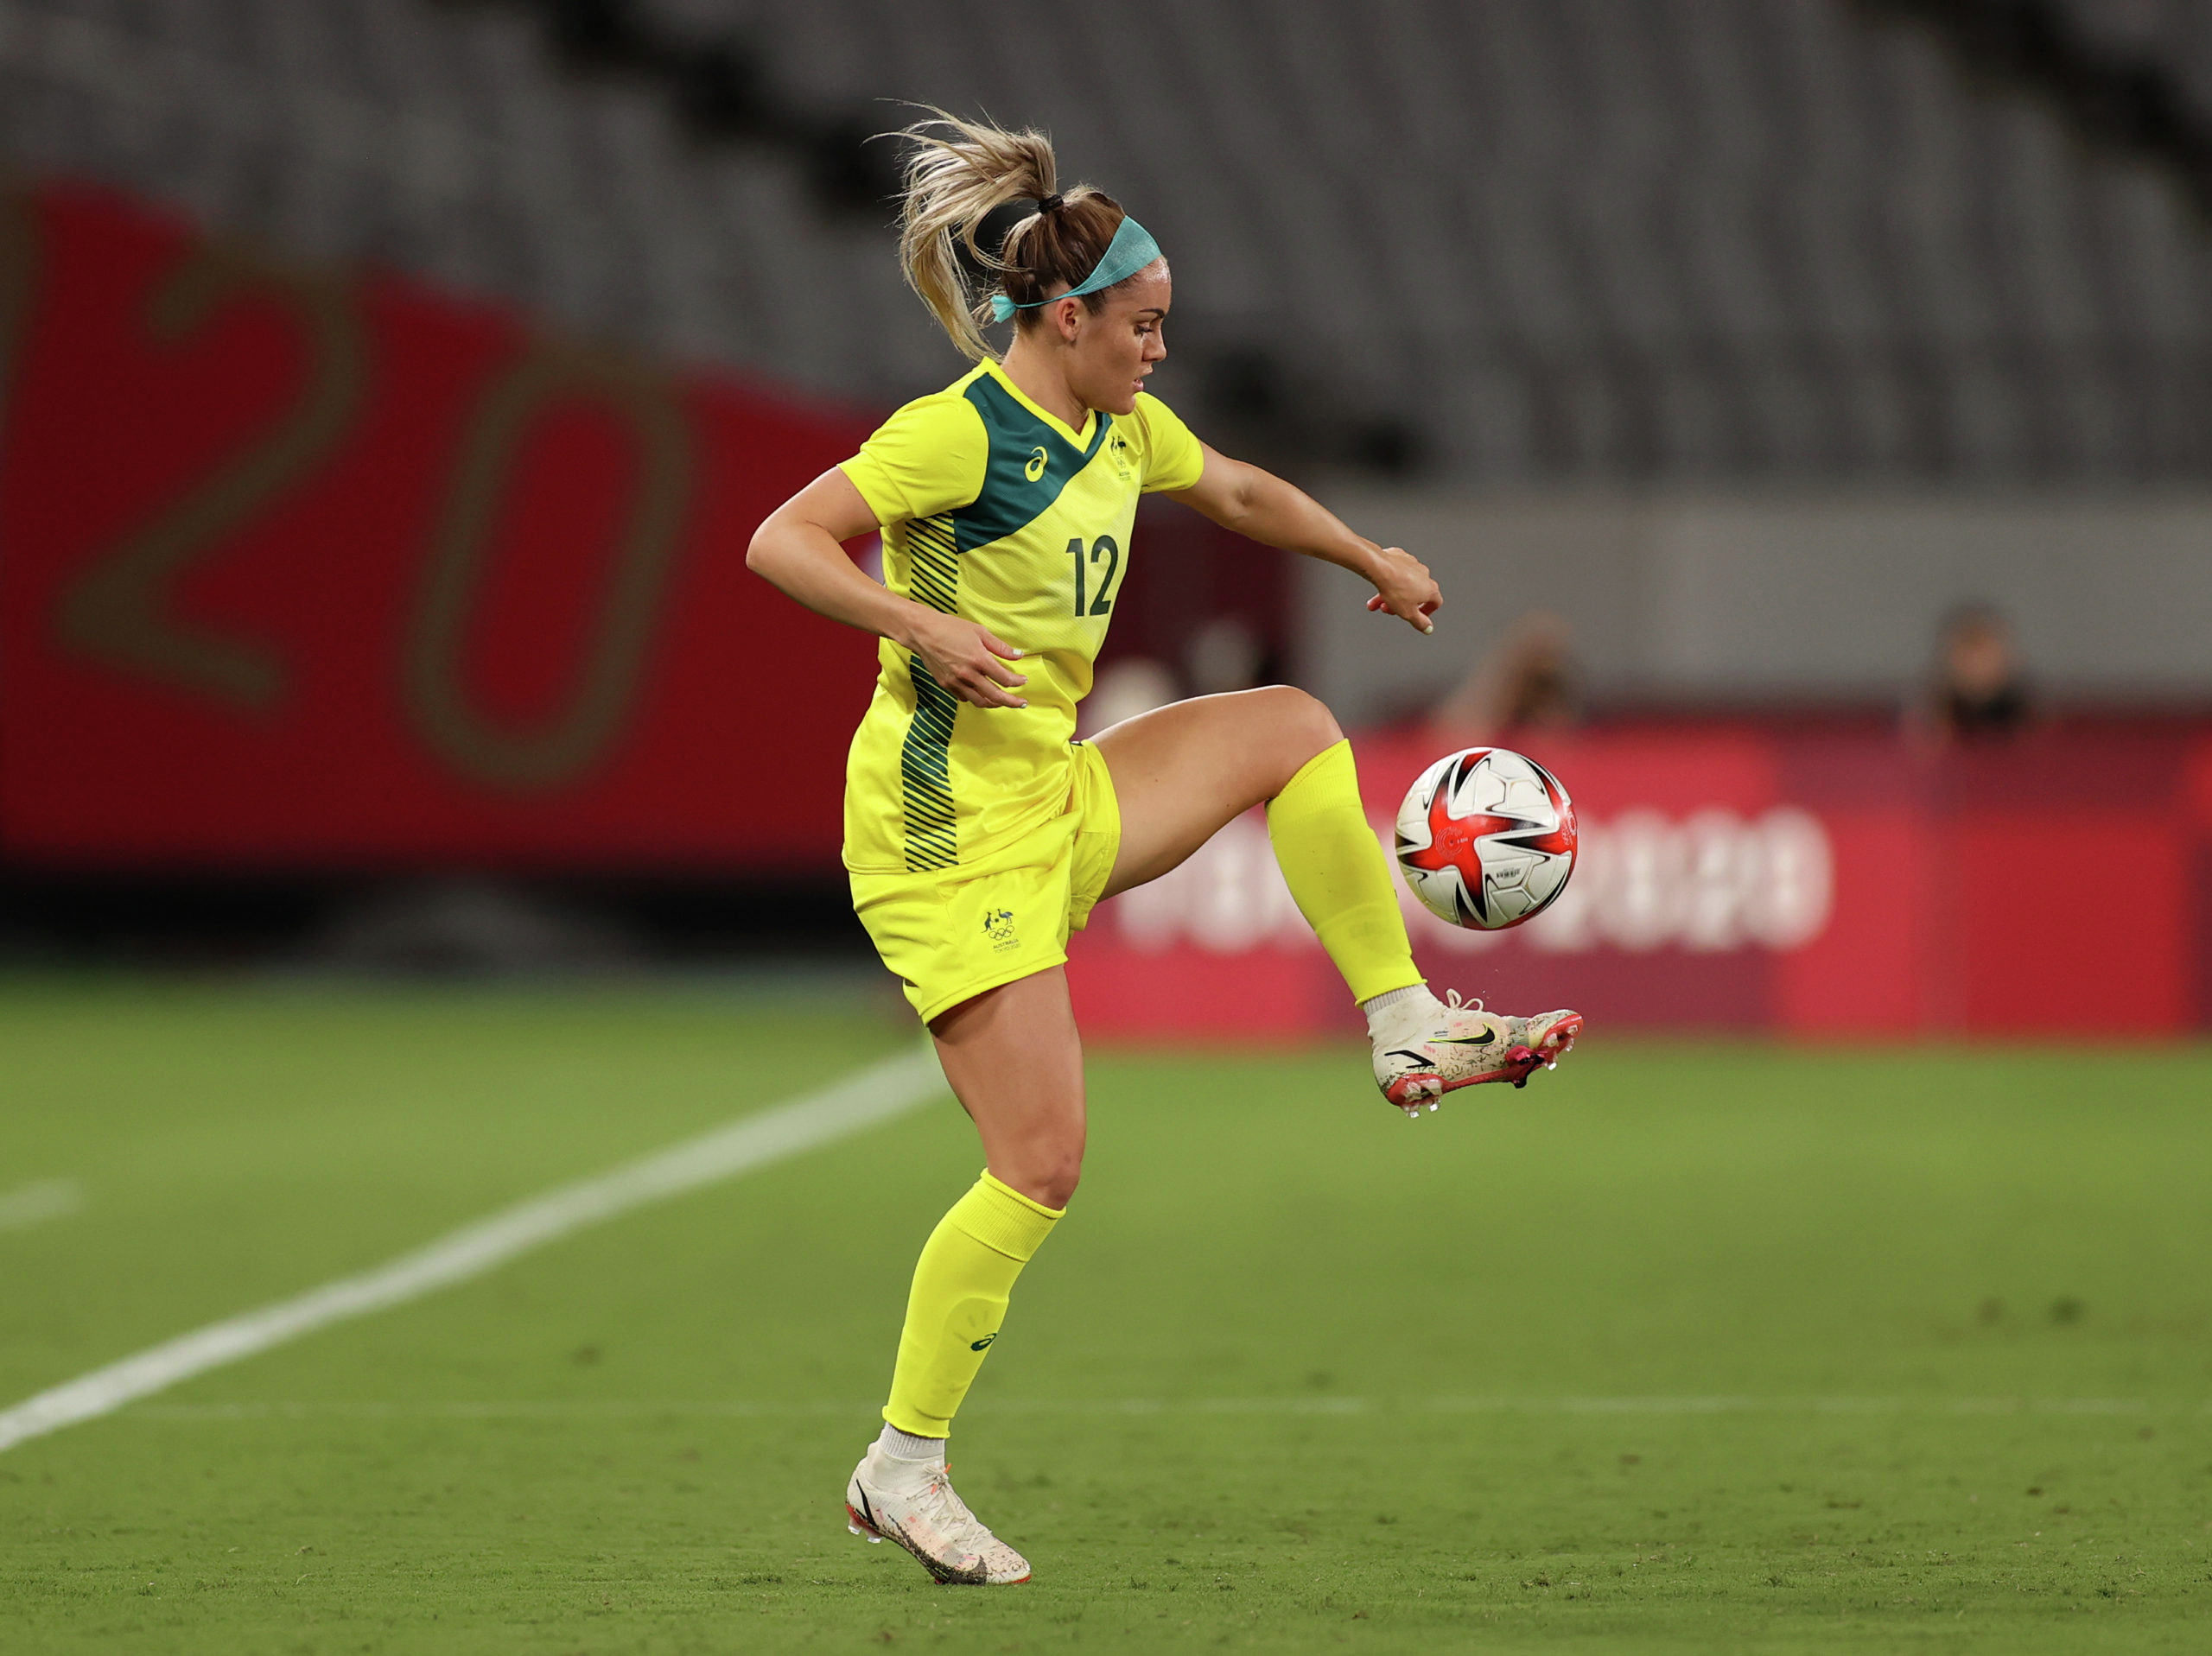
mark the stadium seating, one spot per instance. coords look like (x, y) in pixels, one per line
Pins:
(1495, 241)
(2176, 35)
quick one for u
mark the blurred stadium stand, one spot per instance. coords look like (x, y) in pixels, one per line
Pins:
(1514, 241)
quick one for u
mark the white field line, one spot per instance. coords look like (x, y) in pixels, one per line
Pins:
(874, 1095)
(34, 1204)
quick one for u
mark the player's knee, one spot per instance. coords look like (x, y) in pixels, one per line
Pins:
(1051, 1172)
(1058, 1176)
(1045, 1169)
(1301, 722)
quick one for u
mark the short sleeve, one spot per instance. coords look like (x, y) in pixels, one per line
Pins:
(927, 458)
(1173, 458)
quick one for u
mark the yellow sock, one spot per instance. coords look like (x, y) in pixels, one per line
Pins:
(1336, 871)
(962, 1285)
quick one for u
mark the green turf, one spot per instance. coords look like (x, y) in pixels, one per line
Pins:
(1680, 1350)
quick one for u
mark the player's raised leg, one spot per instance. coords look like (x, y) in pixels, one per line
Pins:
(1182, 772)
(1016, 1062)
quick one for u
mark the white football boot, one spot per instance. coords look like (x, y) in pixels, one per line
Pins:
(912, 1502)
(1425, 1048)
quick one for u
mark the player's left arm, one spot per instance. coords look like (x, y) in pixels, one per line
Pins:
(1262, 507)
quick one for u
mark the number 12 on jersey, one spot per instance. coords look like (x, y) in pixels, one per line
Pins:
(1103, 547)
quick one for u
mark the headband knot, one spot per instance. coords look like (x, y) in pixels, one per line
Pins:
(1131, 250)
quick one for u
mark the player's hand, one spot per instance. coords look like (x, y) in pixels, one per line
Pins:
(1404, 588)
(965, 658)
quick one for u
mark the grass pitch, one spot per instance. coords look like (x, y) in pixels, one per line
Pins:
(1681, 1349)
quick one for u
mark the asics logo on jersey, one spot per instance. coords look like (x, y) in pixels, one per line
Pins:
(980, 1344)
(1035, 469)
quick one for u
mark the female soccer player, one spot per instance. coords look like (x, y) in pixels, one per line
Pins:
(978, 833)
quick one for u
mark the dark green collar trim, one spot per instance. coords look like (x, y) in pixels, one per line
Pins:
(1005, 415)
(1030, 461)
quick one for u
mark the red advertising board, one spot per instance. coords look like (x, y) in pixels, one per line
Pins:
(299, 567)
(1738, 877)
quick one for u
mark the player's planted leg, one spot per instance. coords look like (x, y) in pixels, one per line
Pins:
(901, 1491)
(1016, 1062)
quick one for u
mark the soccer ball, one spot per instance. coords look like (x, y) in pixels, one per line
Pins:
(1486, 838)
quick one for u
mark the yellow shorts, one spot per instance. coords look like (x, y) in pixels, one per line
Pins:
(949, 933)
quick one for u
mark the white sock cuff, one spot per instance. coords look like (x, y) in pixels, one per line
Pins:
(905, 1446)
(1391, 997)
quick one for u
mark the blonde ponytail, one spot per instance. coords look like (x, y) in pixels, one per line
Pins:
(953, 179)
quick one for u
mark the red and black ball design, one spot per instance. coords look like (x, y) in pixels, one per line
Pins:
(1486, 838)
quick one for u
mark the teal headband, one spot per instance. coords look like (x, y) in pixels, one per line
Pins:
(1131, 250)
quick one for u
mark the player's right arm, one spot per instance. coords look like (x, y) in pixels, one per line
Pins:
(799, 551)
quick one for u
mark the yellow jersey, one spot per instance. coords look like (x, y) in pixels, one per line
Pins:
(993, 509)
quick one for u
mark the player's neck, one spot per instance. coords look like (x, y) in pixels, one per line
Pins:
(1038, 376)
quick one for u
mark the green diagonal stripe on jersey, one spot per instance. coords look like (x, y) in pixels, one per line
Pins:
(1012, 498)
(933, 563)
(925, 774)
(926, 757)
